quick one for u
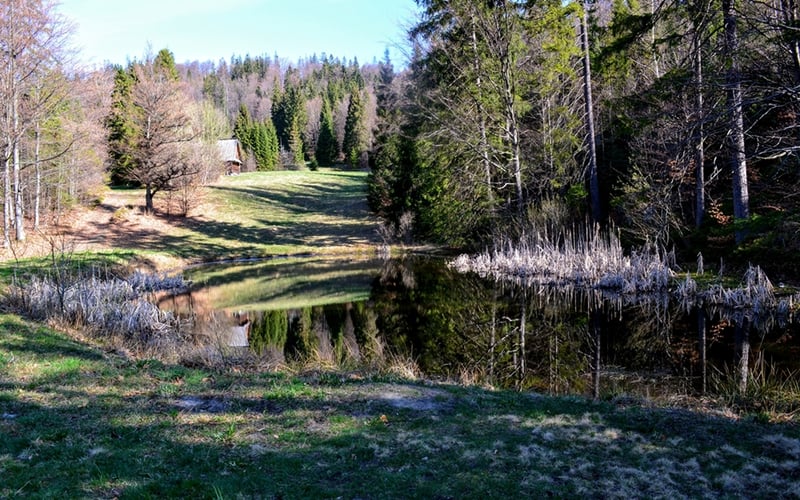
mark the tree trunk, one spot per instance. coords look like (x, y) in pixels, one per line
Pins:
(741, 203)
(148, 200)
(702, 345)
(742, 340)
(7, 200)
(699, 155)
(484, 142)
(789, 12)
(509, 98)
(594, 183)
(18, 202)
(523, 322)
(656, 64)
(38, 170)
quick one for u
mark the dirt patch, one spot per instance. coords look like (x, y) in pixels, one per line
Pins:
(411, 397)
(107, 226)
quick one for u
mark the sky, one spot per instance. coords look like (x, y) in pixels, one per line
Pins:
(117, 31)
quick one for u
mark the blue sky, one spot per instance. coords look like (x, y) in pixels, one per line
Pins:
(120, 30)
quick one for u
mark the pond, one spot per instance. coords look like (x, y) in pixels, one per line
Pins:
(463, 327)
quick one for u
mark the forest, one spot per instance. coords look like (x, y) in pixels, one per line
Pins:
(674, 122)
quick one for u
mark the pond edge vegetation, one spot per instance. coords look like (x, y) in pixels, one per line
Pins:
(594, 259)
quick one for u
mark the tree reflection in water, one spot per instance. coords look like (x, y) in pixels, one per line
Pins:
(559, 340)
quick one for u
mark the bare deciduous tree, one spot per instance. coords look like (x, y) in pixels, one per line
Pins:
(163, 125)
(32, 38)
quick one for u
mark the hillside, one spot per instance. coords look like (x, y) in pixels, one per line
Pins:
(250, 215)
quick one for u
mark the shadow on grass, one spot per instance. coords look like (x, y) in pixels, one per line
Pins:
(21, 337)
(313, 215)
(77, 262)
(151, 430)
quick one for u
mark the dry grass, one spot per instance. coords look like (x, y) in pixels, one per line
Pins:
(593, 259)
(107, 307)
(587, 258)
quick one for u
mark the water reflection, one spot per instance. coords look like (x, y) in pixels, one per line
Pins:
(557, 340)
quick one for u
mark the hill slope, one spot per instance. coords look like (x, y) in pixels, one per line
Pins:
(251, 215)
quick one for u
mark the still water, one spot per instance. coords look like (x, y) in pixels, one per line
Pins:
(463, 327)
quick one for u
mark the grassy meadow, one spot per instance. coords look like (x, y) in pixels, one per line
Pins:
(78, 422)
(256, 214)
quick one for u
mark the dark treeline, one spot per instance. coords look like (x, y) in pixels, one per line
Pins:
(320, 110)
(676, 120)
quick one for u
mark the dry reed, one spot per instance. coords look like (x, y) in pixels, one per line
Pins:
(587, 258)
(104, 307)
(594, 260)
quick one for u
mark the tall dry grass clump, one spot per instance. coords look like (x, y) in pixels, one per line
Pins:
(101, 306)
(754, 299)
(586, 257)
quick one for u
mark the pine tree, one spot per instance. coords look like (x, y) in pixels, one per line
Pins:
(265, 146)
(289, 118)
(296, 143)
(279, 113)
(243, 129)
(354, 143)
(121, 130)
(164, 63)
(327, 144)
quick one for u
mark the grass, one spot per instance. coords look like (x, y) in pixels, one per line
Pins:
(253, 215)
(276, 213)
(80, 423)
(71, 262)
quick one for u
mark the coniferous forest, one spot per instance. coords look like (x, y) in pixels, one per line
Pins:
(674, 122)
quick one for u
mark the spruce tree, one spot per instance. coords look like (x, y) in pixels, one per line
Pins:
(164, 63)
(121, 130)
(259, 136)
(243, 128)
(279, 112)
(266, 146)
(327, 144)
(354, 130)
(296, 143)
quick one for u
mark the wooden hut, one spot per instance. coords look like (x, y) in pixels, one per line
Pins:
(231, 155)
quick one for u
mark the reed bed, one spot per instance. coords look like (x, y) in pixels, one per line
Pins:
(754, 300)
(588, 258)
(103, 307)
(593, 259)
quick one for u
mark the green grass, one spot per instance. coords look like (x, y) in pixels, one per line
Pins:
(68, 262)
(254, 215)
(80, 423)
(268, 213)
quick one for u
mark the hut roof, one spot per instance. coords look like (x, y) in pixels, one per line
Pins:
(229, 150)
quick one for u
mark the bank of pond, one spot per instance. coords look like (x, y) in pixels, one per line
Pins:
(447, 324)
(427, 317)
